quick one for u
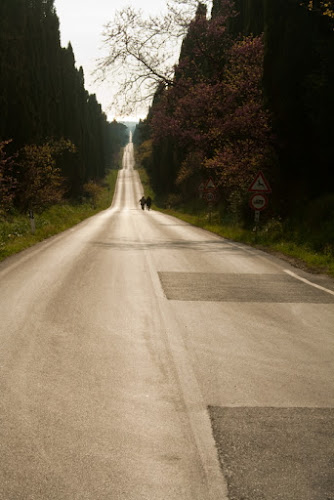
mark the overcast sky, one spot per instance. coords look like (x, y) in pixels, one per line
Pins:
(81, 23)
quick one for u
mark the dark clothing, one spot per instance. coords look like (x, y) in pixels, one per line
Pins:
(142, 201)
(148, 202)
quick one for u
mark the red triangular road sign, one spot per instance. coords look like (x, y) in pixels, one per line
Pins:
(210, 184)
(260, 184)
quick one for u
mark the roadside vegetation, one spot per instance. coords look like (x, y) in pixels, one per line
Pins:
(15, 229)
(244, 100)
(56, 143)
(302, 247)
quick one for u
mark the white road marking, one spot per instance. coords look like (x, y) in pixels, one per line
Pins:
(198, 418)
(308, 282)
(192, 396)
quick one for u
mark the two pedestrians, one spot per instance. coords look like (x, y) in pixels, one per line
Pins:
(145, 201)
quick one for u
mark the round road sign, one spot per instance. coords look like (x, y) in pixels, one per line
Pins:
(258, 201)
(210, 196)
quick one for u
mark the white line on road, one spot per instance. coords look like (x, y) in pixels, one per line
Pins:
(198, 418)
(192, 396)
(308, 282)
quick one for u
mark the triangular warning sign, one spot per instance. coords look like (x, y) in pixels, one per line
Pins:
(260, 184)
(210, 184)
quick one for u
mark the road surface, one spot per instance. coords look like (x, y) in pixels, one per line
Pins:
(145, 359)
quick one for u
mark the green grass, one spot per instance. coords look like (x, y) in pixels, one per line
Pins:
(15, 230)
(300, 254)
(272, 237)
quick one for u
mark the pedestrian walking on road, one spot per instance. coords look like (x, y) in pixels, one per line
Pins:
(142, 201)
(148, 202)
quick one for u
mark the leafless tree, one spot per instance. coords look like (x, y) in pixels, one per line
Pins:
(141, 52)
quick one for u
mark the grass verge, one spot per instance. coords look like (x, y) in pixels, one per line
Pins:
(15, 230)
(271, 238)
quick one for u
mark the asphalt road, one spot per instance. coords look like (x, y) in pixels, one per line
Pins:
(145, 359)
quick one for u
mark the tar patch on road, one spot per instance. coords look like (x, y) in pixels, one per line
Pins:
(219, 287)
(276, 453)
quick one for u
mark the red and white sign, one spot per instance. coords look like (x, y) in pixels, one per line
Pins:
(210, 184)
(258, 201)
(210, 196)
(260, 184)
(208, 191)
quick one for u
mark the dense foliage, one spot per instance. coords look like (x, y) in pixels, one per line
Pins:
(252, 91)
(52, 131)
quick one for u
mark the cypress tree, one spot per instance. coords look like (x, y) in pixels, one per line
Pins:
(298, 78)
(249, 19)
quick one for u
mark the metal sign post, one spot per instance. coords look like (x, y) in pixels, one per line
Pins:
(32, 222)
(208, 191)
(258, 201)
(210, 197)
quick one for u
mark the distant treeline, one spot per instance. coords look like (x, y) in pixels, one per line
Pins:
(253, 90)
(48, 121)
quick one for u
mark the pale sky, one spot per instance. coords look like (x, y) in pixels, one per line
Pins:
(81, 23)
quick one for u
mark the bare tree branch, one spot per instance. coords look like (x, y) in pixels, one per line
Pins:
(142, 52)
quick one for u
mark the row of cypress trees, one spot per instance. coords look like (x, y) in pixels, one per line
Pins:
(297, 83)
(43, 95)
